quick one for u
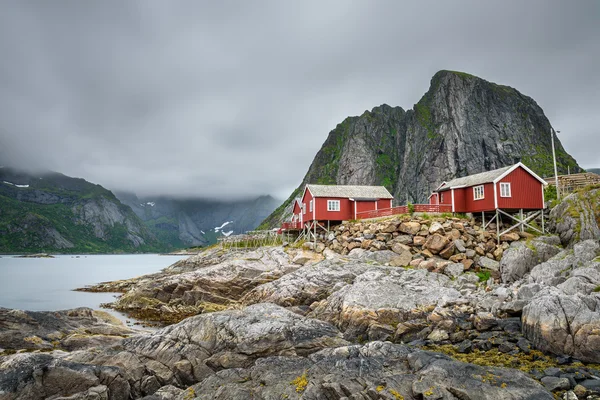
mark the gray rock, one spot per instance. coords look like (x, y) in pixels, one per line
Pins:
(375, 370)
(553, 383)
(31, 376)
(454, 270)
(68, 329)
(520, 258)
(392, 292)
(527, 291)
(554, 271)
(576, 217)
(586, 251)
(192, 350)
(488, 263)
(564, 324)
(308, 284)
(460, 245)
(438, 335)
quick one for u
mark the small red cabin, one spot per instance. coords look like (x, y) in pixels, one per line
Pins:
(339, 202)
(510, 188)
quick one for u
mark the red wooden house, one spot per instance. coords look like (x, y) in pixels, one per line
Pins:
(335, 203)
(508, 190)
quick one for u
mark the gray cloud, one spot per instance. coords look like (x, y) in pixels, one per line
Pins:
(233, 99)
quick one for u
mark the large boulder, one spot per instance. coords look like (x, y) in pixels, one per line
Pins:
(377, 370)
(384, 296)
(33, 376)
(436, 243)
(520, 257)
(577, 217)
(68, 329)
(308, 284)
(557, 269)
(564, 324)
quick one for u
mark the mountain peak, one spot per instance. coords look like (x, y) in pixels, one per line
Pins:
(461, 126)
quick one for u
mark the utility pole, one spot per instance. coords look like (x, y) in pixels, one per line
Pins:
(554, 158)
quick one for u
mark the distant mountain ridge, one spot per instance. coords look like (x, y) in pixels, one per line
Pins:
(463, 125)
(594, 170)
(197, 222)
(51, 212)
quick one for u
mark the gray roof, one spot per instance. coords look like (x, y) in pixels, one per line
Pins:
(350, 191)
(477, 179)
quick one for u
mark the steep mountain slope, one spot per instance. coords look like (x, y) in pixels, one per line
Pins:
(462, 125)
(196, 222)
(52, 212)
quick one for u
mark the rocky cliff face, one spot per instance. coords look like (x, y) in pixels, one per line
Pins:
(463, 125)
(53, 212)
(196, 222)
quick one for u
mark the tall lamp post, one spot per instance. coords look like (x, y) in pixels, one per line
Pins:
(554, 158)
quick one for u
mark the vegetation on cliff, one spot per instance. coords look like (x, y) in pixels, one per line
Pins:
(461, 126)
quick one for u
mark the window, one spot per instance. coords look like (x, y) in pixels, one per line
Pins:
(442, 198)
(333, 205)
(505, 190)
(310, 205)
(303, 208)
(478, 193)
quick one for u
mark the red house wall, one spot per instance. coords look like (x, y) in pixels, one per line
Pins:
(384, 203)
(346, 210)
(362, 206)
(486, 204)
(446, 197)
(308, 216)
(459, 199)
(525, 190)
(433, 199)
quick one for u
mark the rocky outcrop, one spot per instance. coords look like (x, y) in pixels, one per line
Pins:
(44, 376)
(263, 350)
(463, 125)
(307, 285)
(564, 324)
(380, 299)
(68, 330)
(376, 370)
(563, 316)
(577, 217)
(520, 258)
(178, 355)
(199, 285)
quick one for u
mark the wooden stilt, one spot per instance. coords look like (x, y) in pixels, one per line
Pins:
(497, 227)
(521, 218)
(543, 230)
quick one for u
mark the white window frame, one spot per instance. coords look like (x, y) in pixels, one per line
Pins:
(478, 192)
(333, 205)
(310, 206)
(505, 190)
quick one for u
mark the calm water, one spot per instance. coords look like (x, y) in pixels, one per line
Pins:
(46, 284)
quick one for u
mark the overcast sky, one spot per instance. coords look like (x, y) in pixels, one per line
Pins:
(230, 99)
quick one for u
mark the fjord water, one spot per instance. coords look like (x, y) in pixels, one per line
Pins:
(46, 284)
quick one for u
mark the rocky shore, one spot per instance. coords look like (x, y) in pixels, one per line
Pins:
(404, 308)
